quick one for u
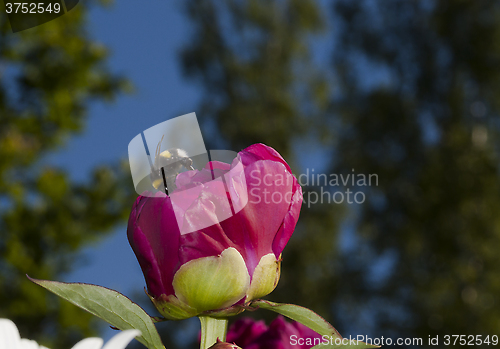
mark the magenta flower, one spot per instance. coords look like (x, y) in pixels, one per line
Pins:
(216, 241)
(250, 334)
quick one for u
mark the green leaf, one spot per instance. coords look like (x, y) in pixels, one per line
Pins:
(300, 314)
(109, 305)
(312, 320)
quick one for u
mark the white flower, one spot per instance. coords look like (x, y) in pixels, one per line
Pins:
(10, 339)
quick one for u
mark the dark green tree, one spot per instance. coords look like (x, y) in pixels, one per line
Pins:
(414, 101)
(253, 61)
(420, 108)
(49, 76)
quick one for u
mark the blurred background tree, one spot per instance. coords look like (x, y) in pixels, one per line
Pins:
(427, 123)
(49, 75)
(413, 99)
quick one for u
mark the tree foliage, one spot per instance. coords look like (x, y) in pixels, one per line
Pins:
(49, 75)
(428, 127)
(415, 101)
(252, 61)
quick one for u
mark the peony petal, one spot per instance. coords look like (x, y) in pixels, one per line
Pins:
(269, 187)
(278, 335)
(122, 339)
(29, 344)
(184, 180)
(236, 184)
(203, 206)
(211, 171)
(209, 242)
(289, 222)
(182, 200)
(305, 332)
(218, 165)
(89, 343)
(9, 335)
(261, 151)
(248, 333)
(244, 331)
(148, 262)
(154, 236)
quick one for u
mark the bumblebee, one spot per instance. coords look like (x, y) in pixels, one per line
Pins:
(167, 165)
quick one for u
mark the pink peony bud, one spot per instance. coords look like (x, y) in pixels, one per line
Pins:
(216, 241)
(251, 334)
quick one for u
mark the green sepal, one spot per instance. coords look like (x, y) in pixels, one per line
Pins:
(109, 305)
(226, 312)
(265, 277)
(172, 308)
(211, 283)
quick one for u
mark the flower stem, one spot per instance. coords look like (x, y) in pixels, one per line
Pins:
(211, 329)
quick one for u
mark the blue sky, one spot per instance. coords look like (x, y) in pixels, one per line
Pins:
(144, 42)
